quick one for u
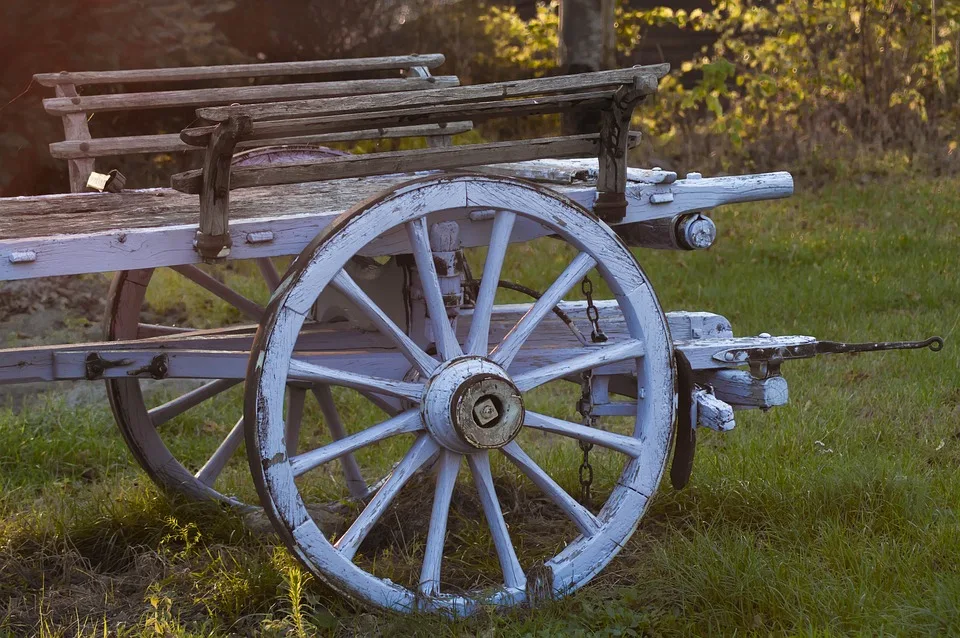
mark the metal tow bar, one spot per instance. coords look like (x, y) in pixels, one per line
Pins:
(764, 362)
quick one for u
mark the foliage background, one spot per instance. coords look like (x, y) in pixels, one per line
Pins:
(822, 87)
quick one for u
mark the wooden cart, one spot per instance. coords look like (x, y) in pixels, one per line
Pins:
(380, 300)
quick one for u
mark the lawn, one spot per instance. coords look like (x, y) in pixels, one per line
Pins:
(836, 514)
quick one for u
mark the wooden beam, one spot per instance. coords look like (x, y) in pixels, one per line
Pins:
(399, 162)
(240, 95)
(213, 240)
(431, 114)
(643, 76)
(171, 142)
(228, 71)
(75, 129)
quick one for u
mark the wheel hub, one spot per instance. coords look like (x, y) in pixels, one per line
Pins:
(471, 404)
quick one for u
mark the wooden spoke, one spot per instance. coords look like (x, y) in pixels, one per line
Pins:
(212, 468)
(269, 272)
(626, 444)
(513, 575)
(147, 330)
(408, 421)
(294, 418)
(447, 344)
(355, 482)
(477, 339)
(303, 371)
(231, 296)
(504, 353)
(421, 452)
(415, 354)
(448, 468)
(586, 522)
(595, 357)
(163, 413)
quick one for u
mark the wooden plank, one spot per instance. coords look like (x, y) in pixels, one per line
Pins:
(78, 215)
(435, 114)
(75, 128)
(644, 77)
(171, 142)
(398, 161)
(240, 95)
(742, 390)
(227, 71)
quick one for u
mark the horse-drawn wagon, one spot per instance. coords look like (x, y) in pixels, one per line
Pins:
(381, 302)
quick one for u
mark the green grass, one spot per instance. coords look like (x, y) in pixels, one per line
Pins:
(837, 514)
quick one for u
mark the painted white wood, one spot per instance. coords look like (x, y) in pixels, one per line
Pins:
(303, 371)
(513, 576)
(175, 407)
(713, 413)
(214, 466)
(384, 220)
(420, 452)
(742, 390)
(403, 423)
(351, 469)
(346, 285)
(507, 349)
(477, 339)
(594, 358)
(625, 444)
(448, 467)
(447, 344)
(585, 521)
(706, 354)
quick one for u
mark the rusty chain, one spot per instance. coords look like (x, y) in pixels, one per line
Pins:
(593, 315)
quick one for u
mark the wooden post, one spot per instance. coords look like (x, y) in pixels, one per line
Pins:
(75, 128)
(213, 239)
(440, 141)
(611, 204)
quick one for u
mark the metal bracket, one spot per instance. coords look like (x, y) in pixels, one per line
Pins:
(157, 368)
(97, 365)
(767, 359)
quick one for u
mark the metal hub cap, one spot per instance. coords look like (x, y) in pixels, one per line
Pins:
(471, 404)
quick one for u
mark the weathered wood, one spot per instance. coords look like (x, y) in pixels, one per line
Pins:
(712, 413)
(239, 95)
(742, 390)
(171, 142)
(644, 77)
(75, 128)
(614, 129)
(227, 71)
(442, 141)
(398, 161)
(213, 240)
(431, 114)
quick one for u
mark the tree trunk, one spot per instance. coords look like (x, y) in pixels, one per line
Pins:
(581, 51)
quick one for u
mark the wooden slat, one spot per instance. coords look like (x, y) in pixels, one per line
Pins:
(399, 162)
(432, 114)
(240, 95)
(645, 76)
(227, 71)
(171, 142)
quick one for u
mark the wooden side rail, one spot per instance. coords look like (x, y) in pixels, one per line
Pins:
(613, 93)
(231, 71)
(80, 149)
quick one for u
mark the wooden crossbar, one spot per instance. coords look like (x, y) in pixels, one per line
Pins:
(239, 95)
(229, 71)
(432, 114)
(399, 162)
(171, 142)
(644, 77)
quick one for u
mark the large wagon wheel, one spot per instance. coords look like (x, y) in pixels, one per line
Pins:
(467, 402)
(142, 423)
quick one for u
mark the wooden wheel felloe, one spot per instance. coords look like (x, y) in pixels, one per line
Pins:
(457, 394)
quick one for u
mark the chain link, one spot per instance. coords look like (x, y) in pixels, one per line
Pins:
(593, 315)
(584, 407)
